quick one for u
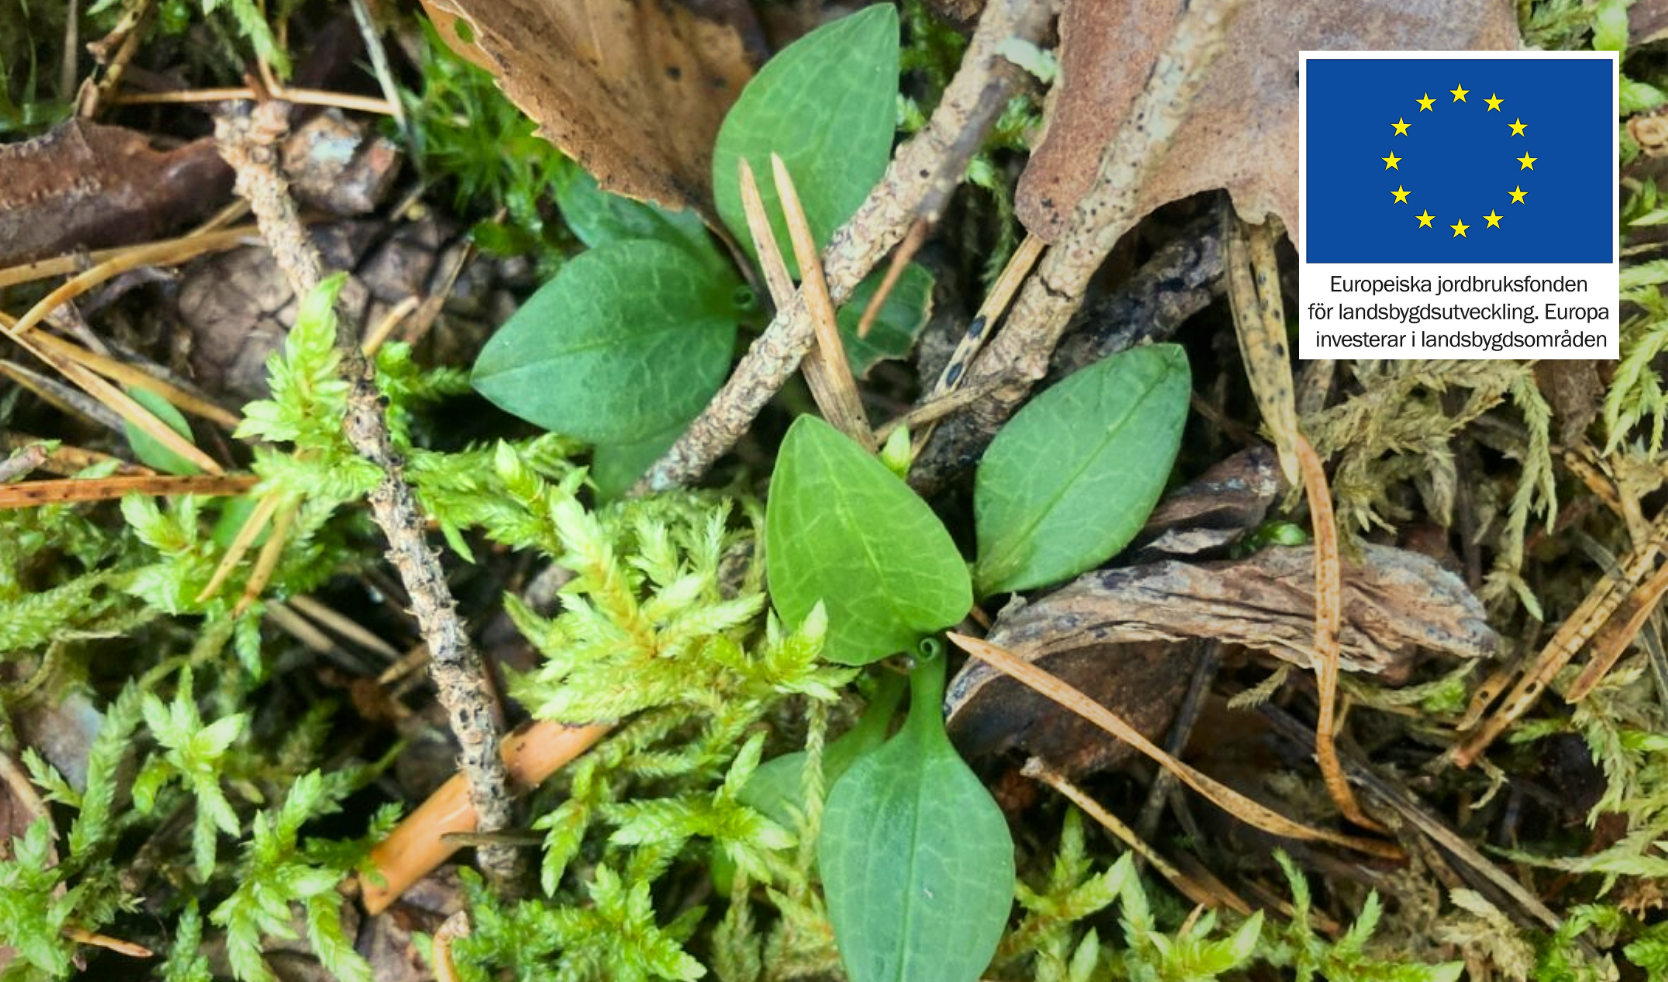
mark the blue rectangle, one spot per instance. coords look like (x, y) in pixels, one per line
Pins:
(1379, 130)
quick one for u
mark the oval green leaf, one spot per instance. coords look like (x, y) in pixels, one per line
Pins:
(597, 218)
(1071, 478)
(842, 529)
(827, 104)
(149, 449)
(899, 322)
(626, 342)
(916, 860)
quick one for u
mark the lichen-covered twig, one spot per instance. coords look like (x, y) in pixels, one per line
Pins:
(249, 144)
(922, 174)
(1020, 354)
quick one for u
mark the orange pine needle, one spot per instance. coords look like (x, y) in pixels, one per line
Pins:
(418, 845)
(32, 494)
(1329, 616)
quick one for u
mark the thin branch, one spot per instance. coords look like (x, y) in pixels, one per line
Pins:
(921, 175)
(1020, 353)
(249, 145)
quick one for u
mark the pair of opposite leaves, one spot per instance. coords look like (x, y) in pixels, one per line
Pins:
(1065, 485)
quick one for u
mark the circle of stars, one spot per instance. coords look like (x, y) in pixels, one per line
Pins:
(1428, 104)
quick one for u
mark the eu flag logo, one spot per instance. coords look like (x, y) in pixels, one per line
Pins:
(1459, 160)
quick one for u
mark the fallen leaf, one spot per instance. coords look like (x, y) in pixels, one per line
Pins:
(1111, 632)
(1241, 133)
(88, 186)
(633, 91)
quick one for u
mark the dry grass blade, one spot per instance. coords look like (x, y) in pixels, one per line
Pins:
(68, 461)
(267, 561)
(344, 625)
(776, 275)
(308, 97)
(1578, 628)
(1224, 797)
(1038, 769)
(246, 535)
(113, 398)
(995, 305)
(118, 371)
(1619, 633)
(825, 366)
(128, 948)
(32, 494)
(1329, 617)
(165, 252)
(900, 259)
(1260, 324)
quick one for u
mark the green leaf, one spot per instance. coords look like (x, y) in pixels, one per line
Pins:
(778, 787)
(895, 328)
(597, 218)
(1610, 26)
(1069, 481)
(615, 467)
(149, 449)
(826, 104)
(627, 341)
(916, 860)
(1638, 97)
(842, 529)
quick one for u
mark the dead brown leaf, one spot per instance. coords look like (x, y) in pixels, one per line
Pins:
(1109, 632)
(634, 91)
(86, 186)
(1242, 131)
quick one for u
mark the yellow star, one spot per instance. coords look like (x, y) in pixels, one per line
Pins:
(1517, 195)
(1492, 218)
(1401, 127)
(1517, 127)
(1425, 219)
(1391, 161)
(1493, 103)
(1401, 195)
(1459, 230)
(1425, 103)
(1527, 161)
(1459, 93)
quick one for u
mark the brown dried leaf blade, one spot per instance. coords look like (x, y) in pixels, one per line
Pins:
(1241, 133)
(1110, 629)
(634, 91)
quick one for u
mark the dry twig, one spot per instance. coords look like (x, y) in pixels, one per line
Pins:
(1020, 353)
(922, 174)
(249, 145)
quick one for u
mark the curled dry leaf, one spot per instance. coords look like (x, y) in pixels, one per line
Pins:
(88, 186)
(634, 91)
(1216, 508)
(1241, 133)
(1109, 633)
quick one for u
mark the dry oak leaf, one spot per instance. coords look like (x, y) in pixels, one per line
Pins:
(634, 90)
(1241, 133)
